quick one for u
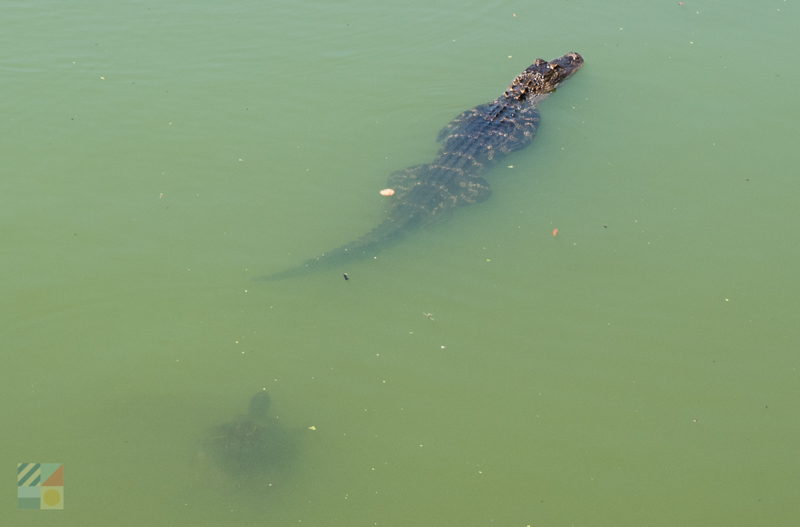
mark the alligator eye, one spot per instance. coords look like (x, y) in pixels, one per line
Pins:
(554, 65)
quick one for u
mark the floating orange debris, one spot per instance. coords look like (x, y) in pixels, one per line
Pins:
(555, 232)
(387, 192)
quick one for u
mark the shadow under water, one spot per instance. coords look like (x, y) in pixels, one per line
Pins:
(254, 449)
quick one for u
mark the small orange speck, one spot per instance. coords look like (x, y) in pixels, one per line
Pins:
(555, 232)
(387, 192)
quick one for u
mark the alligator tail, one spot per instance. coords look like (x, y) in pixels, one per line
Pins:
(366, 246)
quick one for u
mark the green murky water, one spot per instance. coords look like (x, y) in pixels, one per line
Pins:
(638, 369)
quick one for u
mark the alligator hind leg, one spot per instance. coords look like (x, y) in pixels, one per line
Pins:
(402, 181)
(427, 188)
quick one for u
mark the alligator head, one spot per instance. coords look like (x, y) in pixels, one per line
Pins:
(543, 77)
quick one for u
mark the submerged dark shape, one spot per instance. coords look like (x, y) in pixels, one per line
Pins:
(470, 144)
(254, 443)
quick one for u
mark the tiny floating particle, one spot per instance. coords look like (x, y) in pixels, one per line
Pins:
(387, 192)
(555, 232)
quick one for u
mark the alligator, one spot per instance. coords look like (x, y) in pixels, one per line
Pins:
(471, 143)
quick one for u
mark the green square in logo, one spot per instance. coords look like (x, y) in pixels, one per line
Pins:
(29, 498)
(29, 504)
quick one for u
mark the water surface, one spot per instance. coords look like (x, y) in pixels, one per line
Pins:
(637, 369)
